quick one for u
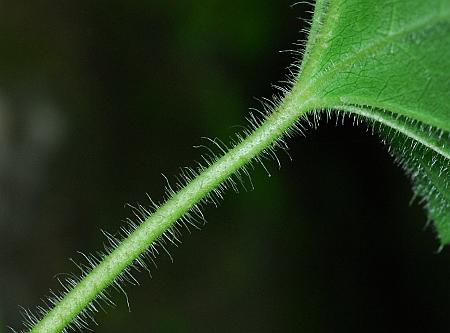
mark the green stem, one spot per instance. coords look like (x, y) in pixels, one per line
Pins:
(103, 275)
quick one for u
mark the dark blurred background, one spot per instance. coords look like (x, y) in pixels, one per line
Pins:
(97, 98)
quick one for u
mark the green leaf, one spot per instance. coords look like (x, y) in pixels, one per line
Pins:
(385, 61)
(389, 61)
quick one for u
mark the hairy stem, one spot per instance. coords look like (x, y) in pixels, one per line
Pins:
(103, 275)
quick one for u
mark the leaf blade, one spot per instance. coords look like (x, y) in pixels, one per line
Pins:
(389, 61)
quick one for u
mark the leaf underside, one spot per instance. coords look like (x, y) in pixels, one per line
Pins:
(389, 62)
(386, 61)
